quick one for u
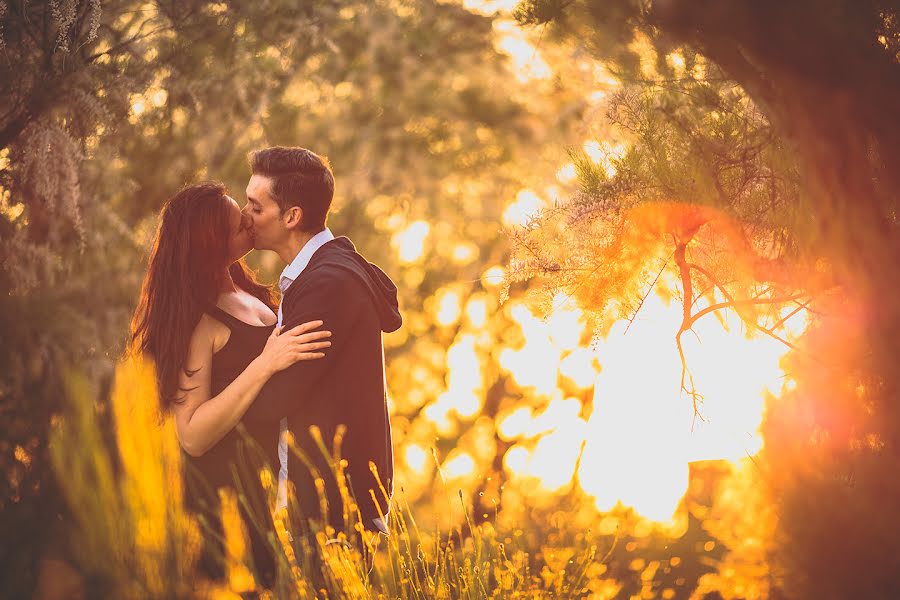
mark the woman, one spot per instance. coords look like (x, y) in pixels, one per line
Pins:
(210, 329)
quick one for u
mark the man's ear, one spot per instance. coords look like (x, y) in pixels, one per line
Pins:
(292, 217)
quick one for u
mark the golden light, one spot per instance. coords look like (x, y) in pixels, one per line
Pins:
(640, 438)
(449, 308)
(410, 243)
(643, 47)
(579, 366)
(597, 96)
(603, 78)
(565, 323)
(516, 460)
(415, 457)
(676, 61)
(458, 464)
(554, 195)
(464, 403)
(464, 253)
(464, 377)
(566, 173)
(476, 311)
(159, 98)
(535, 363)
(552, 461)
(527, 205)
(642, 433)
(239, 577)
(604, 154)
(555, 456)
(517, 423)
(489, 7)
(527, 63)
(439, 413)
(465, 384)
(493, 277)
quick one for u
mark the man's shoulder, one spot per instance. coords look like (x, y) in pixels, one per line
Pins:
(336, 262)
(332, 278)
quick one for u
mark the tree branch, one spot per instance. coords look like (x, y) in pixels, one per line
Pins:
(647, 293)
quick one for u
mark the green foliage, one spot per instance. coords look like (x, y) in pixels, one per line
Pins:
(108, 112)
(701, 167)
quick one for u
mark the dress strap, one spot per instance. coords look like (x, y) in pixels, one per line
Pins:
(227, 319)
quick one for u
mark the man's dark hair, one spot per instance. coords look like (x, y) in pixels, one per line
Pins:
(299, 177)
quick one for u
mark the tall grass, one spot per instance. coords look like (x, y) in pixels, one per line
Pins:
(135, 539)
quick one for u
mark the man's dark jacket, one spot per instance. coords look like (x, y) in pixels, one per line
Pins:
(356, 301)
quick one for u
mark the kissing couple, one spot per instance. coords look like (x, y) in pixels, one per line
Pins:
(243, 373)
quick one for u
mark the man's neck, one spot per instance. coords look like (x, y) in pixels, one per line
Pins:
(293, 245)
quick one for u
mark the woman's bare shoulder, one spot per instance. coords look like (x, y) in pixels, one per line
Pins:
(210, 332)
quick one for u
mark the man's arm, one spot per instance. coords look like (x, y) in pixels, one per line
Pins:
(329, 296)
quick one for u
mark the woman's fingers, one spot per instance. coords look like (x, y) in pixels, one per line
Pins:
(313, 336)
(313, 346)
(309, 355)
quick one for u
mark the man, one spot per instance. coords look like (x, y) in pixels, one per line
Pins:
(288, 198)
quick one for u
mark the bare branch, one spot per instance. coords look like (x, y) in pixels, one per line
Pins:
(647, 293)
(735, 304)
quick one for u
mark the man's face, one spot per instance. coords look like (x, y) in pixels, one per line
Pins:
(268, 228)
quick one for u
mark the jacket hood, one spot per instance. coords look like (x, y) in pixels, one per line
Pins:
(382, 291)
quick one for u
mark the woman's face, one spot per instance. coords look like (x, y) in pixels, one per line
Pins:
(240, 240)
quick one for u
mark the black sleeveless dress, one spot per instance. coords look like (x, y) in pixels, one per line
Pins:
(236, 460)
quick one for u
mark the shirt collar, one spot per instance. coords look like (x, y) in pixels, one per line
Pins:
(293, 270)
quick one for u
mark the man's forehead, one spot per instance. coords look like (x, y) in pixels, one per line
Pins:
(258, 187)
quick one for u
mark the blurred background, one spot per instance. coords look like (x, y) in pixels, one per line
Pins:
(646, 256)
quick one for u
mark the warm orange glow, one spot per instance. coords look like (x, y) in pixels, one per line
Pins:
(640, 439)
(458, 464)
(604, 154)
(493, 277)
(488, 7)
(464, 253)
(554, 456)
(534, 365)
(567, 173)
(526, 205)
(415, 457)
(239, 577)
(477, 311)
(642, 432)
(410, 243)
(676, 61)
(448, 308)
(527, 62)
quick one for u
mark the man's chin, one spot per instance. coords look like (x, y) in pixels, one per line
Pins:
(259, 244)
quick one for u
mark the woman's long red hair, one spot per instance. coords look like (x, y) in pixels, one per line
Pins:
(184, 277)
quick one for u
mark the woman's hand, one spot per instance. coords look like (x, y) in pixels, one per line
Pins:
(300, 343)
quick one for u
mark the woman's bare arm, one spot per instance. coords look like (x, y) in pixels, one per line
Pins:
(200, 421)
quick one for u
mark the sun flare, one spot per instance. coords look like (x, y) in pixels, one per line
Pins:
(642, 432)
